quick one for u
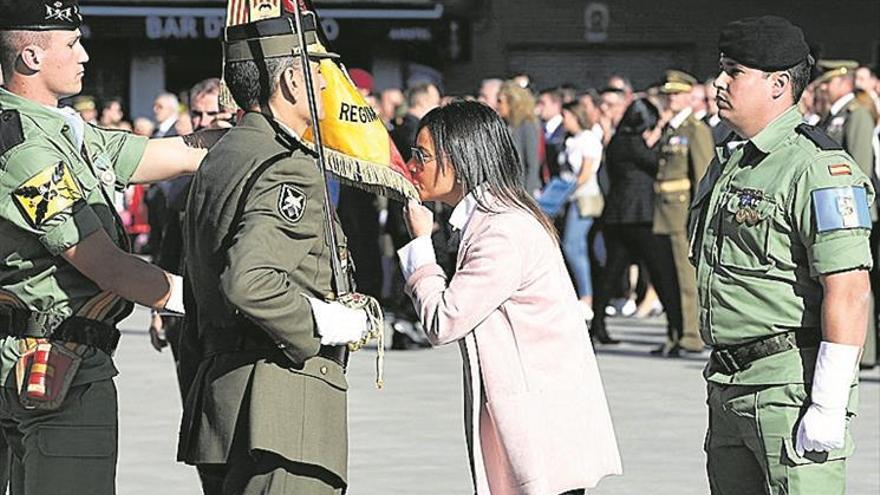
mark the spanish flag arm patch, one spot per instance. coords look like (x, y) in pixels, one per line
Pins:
(45, 195)
(839, 169)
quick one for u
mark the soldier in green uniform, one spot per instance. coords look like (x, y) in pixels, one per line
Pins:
(685, 148)
(779, 237)
(66, 278)
(852, 126)
(266, 413)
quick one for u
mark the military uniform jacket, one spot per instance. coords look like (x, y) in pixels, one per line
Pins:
(685, 152)
(55, 192)
(255, 246)
(771, 216)
(853, 128)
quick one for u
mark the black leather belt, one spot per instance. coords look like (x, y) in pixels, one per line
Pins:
(336, 353)
(731, 359)
(78, 330)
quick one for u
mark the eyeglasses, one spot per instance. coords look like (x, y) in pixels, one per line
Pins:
(421, 156)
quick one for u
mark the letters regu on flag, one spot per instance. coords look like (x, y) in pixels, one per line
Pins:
(357, 147)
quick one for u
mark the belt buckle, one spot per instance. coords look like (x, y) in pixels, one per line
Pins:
(727, 361)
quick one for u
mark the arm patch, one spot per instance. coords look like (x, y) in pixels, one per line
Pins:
(839, 208)
(47, 194)
(818, 137)
(11, 133)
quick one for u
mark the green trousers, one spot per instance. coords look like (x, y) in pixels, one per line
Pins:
(69, 451)
(687, 282)
(750, 444)
(265, 473)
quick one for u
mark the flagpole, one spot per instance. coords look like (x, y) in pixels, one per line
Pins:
(339, 277)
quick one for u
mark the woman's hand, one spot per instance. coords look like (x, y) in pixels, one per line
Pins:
(419, 219)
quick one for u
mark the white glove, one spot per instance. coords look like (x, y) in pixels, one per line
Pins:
(174, 304)
(338, 324)
(823, 427)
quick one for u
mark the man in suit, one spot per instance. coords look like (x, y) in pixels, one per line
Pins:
(850, 124)
(686, 148)
(550, 112)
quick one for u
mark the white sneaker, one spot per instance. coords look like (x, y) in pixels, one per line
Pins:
(629, 308)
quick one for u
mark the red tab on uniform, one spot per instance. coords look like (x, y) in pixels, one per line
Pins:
(839, 169)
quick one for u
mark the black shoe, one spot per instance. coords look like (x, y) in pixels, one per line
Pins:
(401, 342)
(667, 350)
(599, 333)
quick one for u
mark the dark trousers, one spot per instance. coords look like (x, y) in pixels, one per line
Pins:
(626, 243)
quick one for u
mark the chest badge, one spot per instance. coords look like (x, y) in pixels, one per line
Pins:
(747, 211)
(291, 203)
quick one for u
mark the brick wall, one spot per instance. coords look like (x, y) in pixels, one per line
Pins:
(547, 37)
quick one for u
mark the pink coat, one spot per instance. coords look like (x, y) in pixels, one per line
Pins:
(542, 426)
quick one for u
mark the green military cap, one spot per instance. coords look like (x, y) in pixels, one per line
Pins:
(767, 43)
(272, 38)
(835, 68)
(678, 82)
(40, 15)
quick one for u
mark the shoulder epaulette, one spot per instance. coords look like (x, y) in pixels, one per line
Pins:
(11, 133)
(818, 136)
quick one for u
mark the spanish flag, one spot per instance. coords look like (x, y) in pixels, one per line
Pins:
(357, 147)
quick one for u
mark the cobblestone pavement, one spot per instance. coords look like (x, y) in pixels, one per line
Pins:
(408, 438)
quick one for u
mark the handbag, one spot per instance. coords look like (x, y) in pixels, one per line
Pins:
(590, 205)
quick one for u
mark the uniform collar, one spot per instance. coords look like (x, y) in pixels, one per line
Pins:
(775, 132)
(49, 120)
(840, 103)
(680, 117)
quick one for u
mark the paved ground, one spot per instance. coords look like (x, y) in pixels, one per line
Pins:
(408, 438)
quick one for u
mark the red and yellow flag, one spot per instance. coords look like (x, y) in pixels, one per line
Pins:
(357, 147)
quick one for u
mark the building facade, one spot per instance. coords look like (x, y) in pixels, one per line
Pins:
(583, 42)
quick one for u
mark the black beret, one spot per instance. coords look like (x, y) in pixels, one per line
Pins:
(767, 43)
(40, 15)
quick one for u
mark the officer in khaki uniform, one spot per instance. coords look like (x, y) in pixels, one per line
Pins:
(63, 256)
(779, 236)
(266, 413)
(852, 126)
(685, 148)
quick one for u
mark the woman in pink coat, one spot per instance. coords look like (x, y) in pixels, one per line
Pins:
(536, 417)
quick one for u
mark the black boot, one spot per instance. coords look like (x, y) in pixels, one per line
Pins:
(598, 332)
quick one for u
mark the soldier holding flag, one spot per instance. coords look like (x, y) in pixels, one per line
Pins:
(267, 412)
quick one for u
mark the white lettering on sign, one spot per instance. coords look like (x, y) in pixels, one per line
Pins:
(183, 27)
(410, 34)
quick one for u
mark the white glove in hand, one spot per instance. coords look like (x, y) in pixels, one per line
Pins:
(174, 304)
(338, 324)
(823, 427)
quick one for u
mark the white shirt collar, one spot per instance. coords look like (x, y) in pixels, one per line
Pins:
(701, 114)
(464, 210)
(76, 123)
(167, 124)
(680, 117)
(841, 102)
(553, 124)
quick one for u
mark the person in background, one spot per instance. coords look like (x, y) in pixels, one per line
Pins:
(591, 101)
(517, 107)
(537, 421)
(622, 83)
(867, 81)
(580, 160)
(488, 94)
(549, 110)
(143, 126)
(613, 105)
(113, 115)
(166, 110)
(391, 101)
(87, 108)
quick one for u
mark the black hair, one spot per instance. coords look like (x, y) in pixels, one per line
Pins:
(252, 83)
(800, 77)
(639, 116)
(476, 142)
